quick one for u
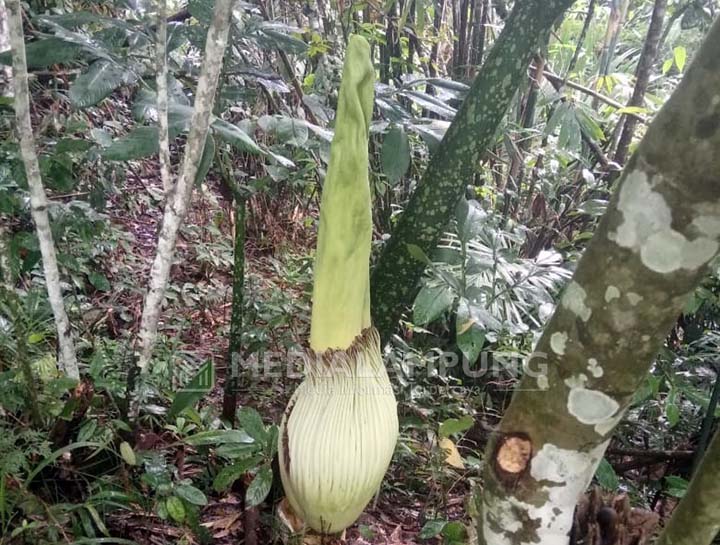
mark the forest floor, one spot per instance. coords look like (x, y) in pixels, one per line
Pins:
(418, 487)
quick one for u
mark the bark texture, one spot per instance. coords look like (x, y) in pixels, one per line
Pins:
(236, 317)
(38, 199)
(6, 274)
(696, 521)
(642, 77)
(451, 168)
(176, 206)
(649, 252)
(162, 99)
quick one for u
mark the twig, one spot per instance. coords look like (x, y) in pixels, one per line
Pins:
(607, 100)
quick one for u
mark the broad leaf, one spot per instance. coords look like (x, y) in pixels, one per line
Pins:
(431, 302)
(99, 82)
(395, 154)
(259, 487)
(138, 143)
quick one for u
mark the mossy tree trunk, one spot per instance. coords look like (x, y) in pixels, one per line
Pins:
(650, 251)
(453, 165)
(236, 317)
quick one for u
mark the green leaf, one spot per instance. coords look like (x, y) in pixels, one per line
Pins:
(235, 450)
(469, 335)
(251, 421)
(175, 508)
(676, 486)
(99, 281)
(191, 494)
(417, 253)
(431, 302)
(273, 35)
(454, 533)
(202, 10)
(138, 143)
(219, 437)
(432, 528)
(451, 426)
(195, 390)
(235, 136)
(46, 52)
(293, 132)
(667, 65)
(395, 154)
(229, 474)
(101, 79)
(606, 476)
(259, 487)
(672, 413)
(206, 161)
(680, 56)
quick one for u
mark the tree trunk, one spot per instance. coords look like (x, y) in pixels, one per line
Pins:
(618, 11)
(438, 17)
(695, 521)
(581, 39)
(453, 165)
(38, 199)
(480, 21)
(651, 249)
(176, 207)
(6, 274)
(236, 317)
(642, 77)
(162, 99)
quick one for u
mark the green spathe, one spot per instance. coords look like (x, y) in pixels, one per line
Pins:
(339, 430)
(341, 293)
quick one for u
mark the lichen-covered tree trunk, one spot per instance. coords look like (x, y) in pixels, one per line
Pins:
(696, 521)
(6, 274)
(176, 206)
(452, 166)
(38, 198)
(642, 77)
(162, 99)
(649, 252)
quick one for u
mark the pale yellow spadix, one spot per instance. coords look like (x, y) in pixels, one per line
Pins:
(339, 430)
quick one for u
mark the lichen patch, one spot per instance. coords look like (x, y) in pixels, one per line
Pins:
(591, 406)
(647, 229)
(574, 299)
(558, 342)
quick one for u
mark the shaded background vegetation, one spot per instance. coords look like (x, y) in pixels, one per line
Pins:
(72, 468)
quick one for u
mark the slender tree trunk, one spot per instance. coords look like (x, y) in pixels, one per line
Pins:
(708, 421)
(581, 40)
(480, 21)
(650, 251)
(6, 274)
(695, 521)
(162, 99)
(38, 199)
(452, 166)
(176, 207)
(438, 18)
(642, 77)
(618, 11)
(236, 319)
